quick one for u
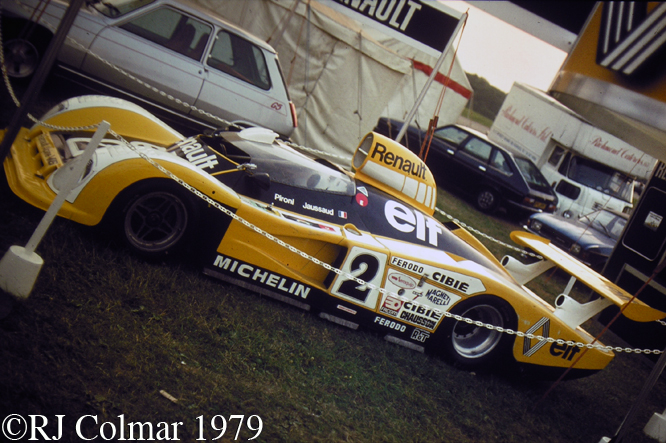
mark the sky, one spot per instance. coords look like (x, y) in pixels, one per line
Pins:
(503, 54)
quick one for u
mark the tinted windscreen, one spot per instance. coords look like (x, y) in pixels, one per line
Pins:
(288, 167)
(600, 177)
(451, 134)
(606, 222)
(532, 175)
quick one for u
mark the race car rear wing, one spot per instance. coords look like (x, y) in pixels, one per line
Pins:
(567, 309)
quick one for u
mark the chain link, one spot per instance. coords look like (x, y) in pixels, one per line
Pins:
(347, 275)
(486, 236)
(283, 244)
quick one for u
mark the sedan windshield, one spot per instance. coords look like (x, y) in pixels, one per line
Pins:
(116, 8)
(532, 175)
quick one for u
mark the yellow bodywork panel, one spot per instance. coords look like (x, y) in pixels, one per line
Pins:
(243, 242)
(25, 164)
(131, 125)
(535, 316)
(633, 309)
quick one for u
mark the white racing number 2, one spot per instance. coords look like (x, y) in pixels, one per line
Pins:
(366, 265)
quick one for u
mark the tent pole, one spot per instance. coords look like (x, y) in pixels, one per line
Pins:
(280, 34)
(434, 72)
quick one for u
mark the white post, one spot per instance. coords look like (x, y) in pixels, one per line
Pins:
(656, 427)
(20, 266)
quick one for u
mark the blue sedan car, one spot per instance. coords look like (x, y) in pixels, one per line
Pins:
(590, 238)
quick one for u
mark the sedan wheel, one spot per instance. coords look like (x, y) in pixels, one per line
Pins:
(156, 222)
(487, 200)
(21, 58)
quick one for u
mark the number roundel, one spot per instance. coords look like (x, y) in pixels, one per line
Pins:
(366, 265)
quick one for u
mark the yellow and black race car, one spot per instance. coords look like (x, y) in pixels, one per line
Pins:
(360, 246)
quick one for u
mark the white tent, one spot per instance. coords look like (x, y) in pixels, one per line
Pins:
(343, 76)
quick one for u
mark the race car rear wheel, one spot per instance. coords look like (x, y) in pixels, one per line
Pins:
(157, 220)
(475, 347)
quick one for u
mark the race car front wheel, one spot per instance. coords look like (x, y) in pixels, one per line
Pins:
(472, 346)
(157, 220)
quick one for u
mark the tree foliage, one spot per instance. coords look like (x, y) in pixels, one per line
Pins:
(487, 99)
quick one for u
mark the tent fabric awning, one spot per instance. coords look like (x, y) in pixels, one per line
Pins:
(341, 76)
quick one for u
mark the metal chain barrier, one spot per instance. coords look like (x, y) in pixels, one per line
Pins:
(290, 247)
(486, 236)
(362, 282)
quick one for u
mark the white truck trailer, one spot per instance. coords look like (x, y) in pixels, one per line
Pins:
(588, 168)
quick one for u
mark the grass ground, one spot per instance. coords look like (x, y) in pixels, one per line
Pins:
(104, 333)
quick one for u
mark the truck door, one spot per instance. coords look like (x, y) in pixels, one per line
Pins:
(570, 193)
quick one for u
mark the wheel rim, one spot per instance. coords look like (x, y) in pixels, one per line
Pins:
(486, 199)
(156, 222)
(21, 58)
(472, 341)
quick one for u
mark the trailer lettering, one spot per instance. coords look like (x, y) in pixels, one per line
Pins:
(660, 171)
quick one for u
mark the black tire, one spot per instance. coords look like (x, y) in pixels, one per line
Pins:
(24, 46)
(21, 58)
(476, 347)
(487, 200)
(158, 218)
